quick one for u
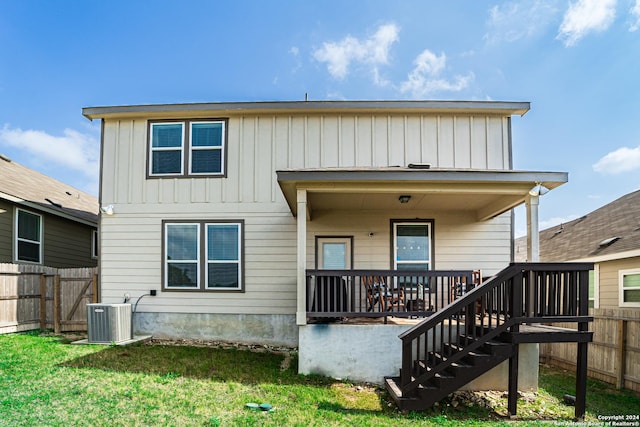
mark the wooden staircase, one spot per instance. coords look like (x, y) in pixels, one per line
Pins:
(484, 328)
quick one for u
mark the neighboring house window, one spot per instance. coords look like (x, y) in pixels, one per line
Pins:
(203, 255)
(94, 244)
(594, 287)
(187, 148)
(28, 237)
(412, 245)
(629, 287)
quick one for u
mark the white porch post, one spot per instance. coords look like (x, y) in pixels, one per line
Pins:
(533, 232)
(301, 311)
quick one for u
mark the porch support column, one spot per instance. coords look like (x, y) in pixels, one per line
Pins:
(301, 311)
(533, 232)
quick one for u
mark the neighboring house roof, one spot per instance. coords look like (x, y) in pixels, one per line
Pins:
(34, 190)
(611, 230)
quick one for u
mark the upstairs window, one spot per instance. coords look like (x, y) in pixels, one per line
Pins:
(187, 148)
(28, 237)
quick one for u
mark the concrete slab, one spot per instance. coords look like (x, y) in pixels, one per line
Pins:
(134, 340)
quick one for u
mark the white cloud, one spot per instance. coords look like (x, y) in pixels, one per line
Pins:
(425, 78)
(585, 16)
(73, 150)
(635, 15)
(519, 19)
(622, 160)
(373, 51)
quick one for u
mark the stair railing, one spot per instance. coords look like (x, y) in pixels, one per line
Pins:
(521, 293)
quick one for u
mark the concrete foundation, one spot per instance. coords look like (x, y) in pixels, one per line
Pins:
(279, 330)
(368, 353)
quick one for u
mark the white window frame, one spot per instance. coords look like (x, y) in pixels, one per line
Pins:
(186, 149)
(19, 239)
(596, 286)
(429, 226)
(621, 289)
(207, 148)
(202, 262)
(346, 240)
(238, 261)
(153, 149)
(95, 250)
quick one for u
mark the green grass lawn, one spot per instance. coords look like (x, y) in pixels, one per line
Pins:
(45, 381)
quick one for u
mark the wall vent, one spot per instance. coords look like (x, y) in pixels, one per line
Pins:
(108, 323)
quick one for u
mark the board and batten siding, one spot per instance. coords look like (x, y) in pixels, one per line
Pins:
(6, 232)
(258, 146)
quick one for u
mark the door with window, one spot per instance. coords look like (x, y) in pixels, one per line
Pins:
(412, 246)
(334, 253)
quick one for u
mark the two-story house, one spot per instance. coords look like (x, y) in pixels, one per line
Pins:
(261, 221)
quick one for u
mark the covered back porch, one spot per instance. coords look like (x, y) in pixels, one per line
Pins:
(403, 241)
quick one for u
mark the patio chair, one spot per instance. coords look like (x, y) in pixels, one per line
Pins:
(378, 293)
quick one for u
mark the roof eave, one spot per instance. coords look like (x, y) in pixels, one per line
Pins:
(504, 108)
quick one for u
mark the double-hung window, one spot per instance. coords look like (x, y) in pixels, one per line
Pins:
(28, 245)
(629, 287)
(203, 255)
(187, 148)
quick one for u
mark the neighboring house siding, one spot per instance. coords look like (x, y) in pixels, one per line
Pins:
(609, 280)
(6, 232)
(66, 243)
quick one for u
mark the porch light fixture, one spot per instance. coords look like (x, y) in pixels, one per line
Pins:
(107, 209)
(538, 190)
(404, 198)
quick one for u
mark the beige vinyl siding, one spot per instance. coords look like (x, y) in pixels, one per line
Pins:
(460, 243)
(609, 280)
(260, 145)
(130, 252)
(135, 266)
(6, 232)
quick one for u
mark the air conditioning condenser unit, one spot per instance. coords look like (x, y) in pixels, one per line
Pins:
(108, 323)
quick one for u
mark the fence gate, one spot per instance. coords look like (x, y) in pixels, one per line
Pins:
(33, 297)
(72, 291)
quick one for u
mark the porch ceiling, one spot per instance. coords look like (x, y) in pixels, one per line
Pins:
(486, 193)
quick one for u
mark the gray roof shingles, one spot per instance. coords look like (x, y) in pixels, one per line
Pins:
(582, 237)
(45, 192)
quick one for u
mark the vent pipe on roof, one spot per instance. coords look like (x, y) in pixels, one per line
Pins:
(609, 241)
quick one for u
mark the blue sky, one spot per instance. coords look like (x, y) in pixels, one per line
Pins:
(576, 61)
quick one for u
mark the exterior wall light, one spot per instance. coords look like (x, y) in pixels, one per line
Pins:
(107, 209)
(404, 198)
(538, 190)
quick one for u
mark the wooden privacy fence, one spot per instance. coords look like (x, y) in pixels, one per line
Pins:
(614, 354)
(39, 297)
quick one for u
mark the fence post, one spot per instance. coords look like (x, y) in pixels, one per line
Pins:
(43, 302)
(94, 289)
(622, 338)
(56, 304)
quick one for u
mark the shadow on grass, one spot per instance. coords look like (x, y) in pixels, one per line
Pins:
(215, 364)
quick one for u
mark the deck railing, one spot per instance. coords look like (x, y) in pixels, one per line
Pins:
(521, 293)
(335, 294)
